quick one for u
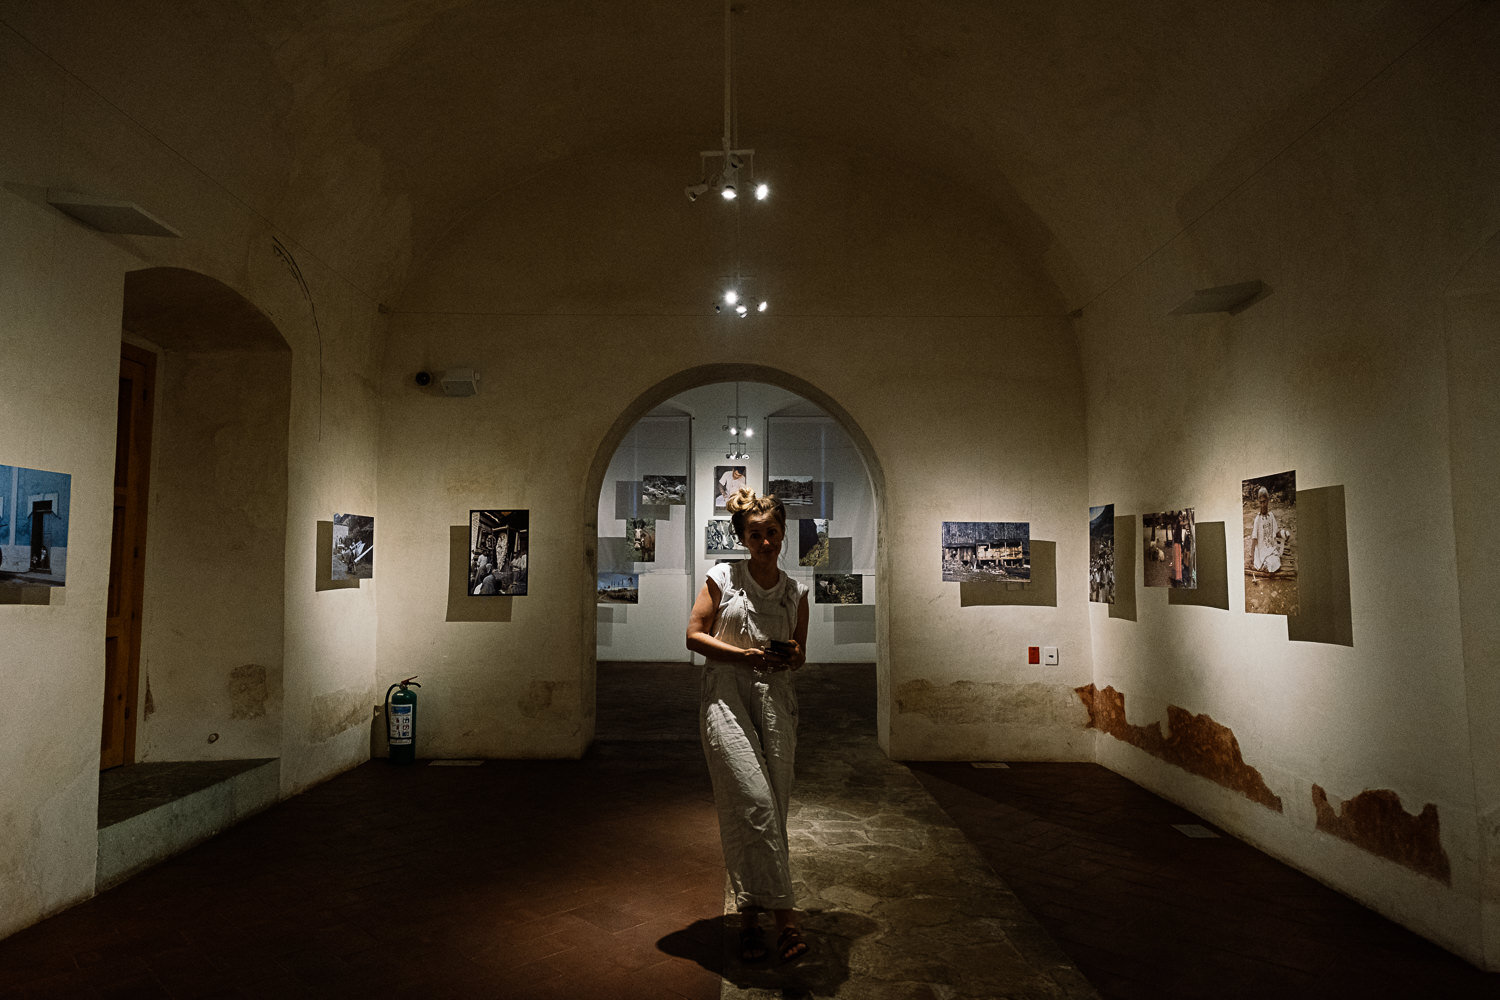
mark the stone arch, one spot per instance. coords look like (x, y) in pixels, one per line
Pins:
(213, 606)
(692, 378)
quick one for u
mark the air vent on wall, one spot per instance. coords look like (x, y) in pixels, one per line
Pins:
(460, 382)
(122, 218)
(1223, 298)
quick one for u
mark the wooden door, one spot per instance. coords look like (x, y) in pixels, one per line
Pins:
(127, 564)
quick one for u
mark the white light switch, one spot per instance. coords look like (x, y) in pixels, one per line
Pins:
(1049, 656)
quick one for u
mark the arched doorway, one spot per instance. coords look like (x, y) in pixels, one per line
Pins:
(198, 676)
(866, 620)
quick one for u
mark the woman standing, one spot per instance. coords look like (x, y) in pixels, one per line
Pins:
(750, 622)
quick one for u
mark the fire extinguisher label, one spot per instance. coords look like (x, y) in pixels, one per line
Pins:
(401, 724)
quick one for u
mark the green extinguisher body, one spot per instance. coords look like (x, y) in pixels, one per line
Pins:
(401, 720)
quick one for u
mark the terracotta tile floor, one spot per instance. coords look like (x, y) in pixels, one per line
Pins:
(1145, 911)
(602, 878)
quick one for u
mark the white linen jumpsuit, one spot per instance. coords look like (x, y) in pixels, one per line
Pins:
(749, 728)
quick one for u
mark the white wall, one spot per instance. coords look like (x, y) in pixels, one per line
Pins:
(61, 296)
(1339, 374)
(951, 357)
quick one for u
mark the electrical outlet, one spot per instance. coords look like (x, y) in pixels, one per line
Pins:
(1049, 656)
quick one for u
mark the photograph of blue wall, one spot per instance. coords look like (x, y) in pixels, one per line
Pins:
(34, 509)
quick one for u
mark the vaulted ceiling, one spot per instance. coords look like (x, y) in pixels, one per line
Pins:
(1096, 129)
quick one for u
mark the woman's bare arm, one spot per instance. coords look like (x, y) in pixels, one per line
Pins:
(700, 631)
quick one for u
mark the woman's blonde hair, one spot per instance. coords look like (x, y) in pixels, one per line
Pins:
(743, 504)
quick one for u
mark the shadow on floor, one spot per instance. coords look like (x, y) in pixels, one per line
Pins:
(713, 943)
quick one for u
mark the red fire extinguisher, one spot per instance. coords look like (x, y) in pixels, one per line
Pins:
(401, 721)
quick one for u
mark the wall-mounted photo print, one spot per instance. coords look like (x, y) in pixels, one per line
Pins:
(619, 588)
(497, 552)
(1269, 510)
(353, 547)
(719, 539)
(664, 490)
(727, 480)
(1102, 554)
(1169, 546)
(640, 537)
(986, 551)
(35, 507)
(838, 588)
(793, 491)
(812, 541)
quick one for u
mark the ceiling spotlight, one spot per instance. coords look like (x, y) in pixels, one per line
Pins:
(742, 310)
(694, 190)
(749, 432)
(761, 307)
(762, 191)
(727, 190)
(731, 296)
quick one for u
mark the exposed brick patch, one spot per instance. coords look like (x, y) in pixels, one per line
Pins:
(1196, 743)
(1374, 821)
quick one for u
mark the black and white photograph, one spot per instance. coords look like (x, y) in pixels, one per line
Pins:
(497, 552)
(719, 538)
(812, 541)
(838, 588)
(640, 538)
(727, 480)
(1102, 554)
(1169, 548)
(353, 547)
(986, 551)
(619, 588)
(1269, 512)
(794, 491)
(664, 490)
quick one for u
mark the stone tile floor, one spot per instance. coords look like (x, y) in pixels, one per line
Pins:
(602, 878)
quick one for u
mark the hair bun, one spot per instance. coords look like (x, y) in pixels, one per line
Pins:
(742, 499)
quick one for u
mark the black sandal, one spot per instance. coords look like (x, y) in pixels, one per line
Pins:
(790, 944)
(753, 944)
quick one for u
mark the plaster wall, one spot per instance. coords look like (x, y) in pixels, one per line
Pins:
(213, 625)
(60, 315)
(1357, 228)
(52, 656)
(583, 307)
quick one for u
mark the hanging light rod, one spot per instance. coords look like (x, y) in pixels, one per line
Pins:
(726, 180)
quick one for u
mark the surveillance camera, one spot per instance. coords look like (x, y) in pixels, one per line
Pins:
(424, 378)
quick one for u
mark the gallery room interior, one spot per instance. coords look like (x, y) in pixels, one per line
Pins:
(471, 270)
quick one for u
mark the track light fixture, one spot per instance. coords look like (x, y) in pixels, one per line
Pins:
(740, 304)
(739, 430)
(726, 178)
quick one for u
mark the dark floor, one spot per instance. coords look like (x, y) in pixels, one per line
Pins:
(602, 878)
(1145, 911)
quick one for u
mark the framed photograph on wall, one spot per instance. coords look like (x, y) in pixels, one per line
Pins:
(1269, 514)
(838, 588)
(1102, 554)
(35, 510)
(1169, 546)
(986, 551)
(353, 547)
(728, 479)
(497, 552)
(619, 588)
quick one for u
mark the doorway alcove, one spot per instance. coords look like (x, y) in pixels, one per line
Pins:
(214, 583)
(679, 430)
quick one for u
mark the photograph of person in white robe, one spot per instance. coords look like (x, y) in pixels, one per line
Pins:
(1270, 516)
